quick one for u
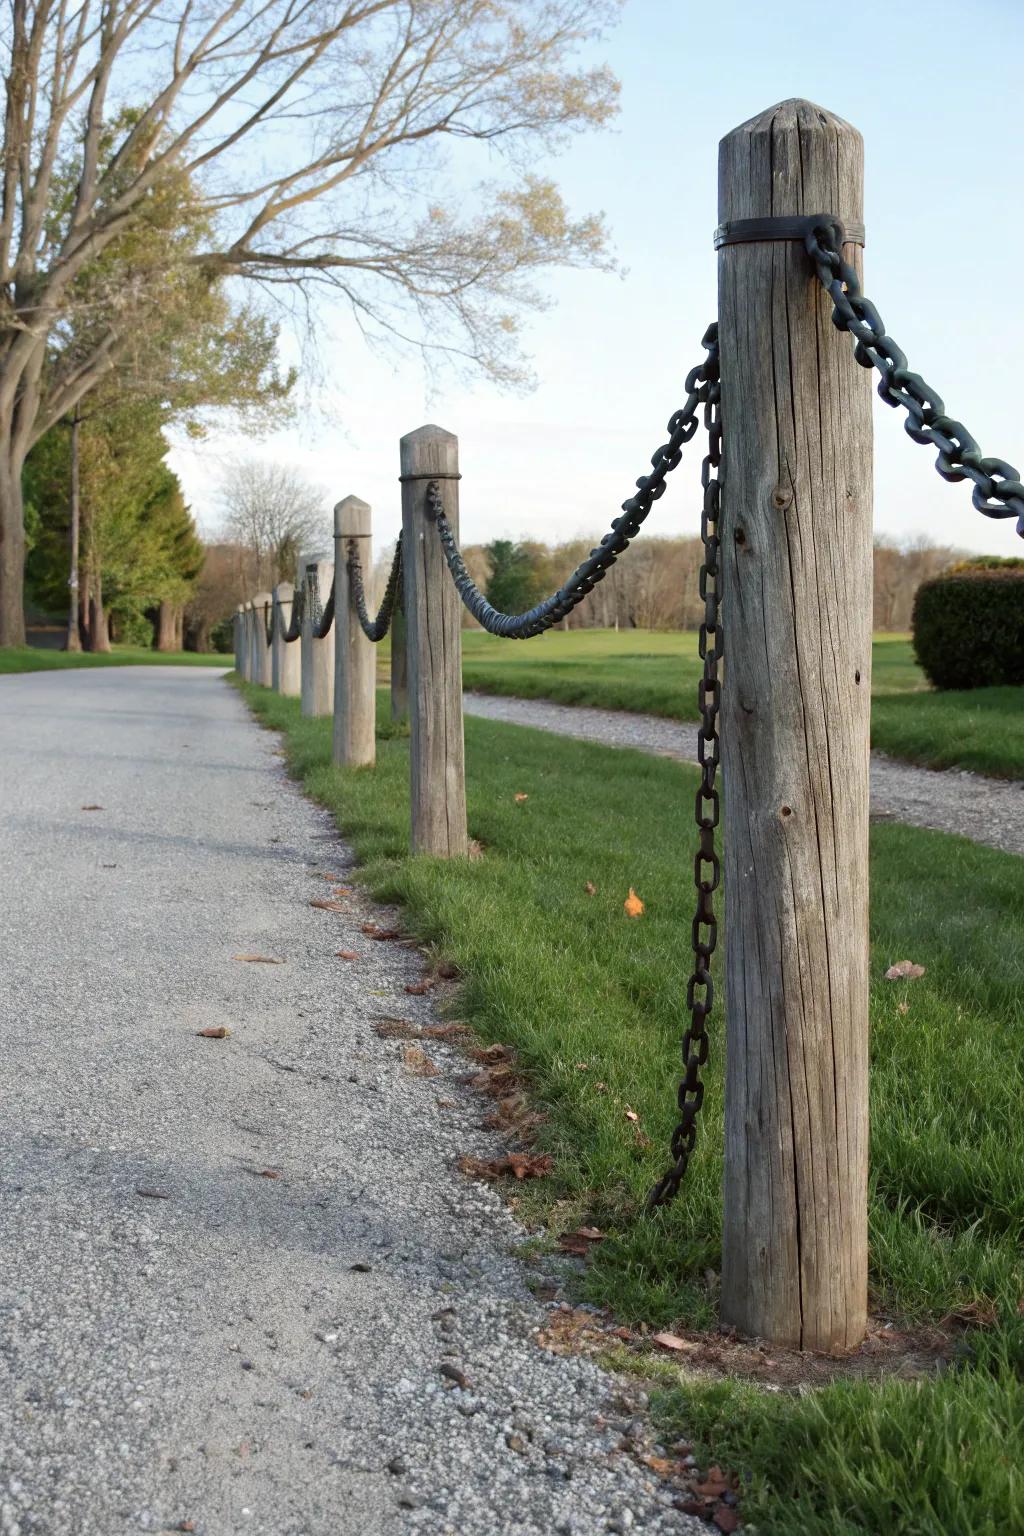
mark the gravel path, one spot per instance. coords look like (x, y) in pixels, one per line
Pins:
(985, 810)
(187, 1343)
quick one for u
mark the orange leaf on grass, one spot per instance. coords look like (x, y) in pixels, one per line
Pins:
(633, 906)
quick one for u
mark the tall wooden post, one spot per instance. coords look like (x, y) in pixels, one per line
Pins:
(355, 657)
(317, 655)
(252, 673)
(433, 614)
(261, 659)
(239, 636)
(796, 564)
(399, 665)
(285, 656)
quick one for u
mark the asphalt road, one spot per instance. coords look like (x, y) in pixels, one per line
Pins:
(232, 1269)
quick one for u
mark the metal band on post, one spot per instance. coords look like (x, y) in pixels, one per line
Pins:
(797, 227)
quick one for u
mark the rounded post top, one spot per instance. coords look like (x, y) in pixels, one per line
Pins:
(352, 519)
(792, 158)
(284, 592)
(430, 450)
(261, 599)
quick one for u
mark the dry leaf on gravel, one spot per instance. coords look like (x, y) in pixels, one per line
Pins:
(451, 1031)
(152, 1194)
(219, 1032)
(491, 1054)
(726, 1519)
(453, 1374)
(581, 1241)
(633, 906)
(714, 1485)
(345, 954)
(420, 988)
(397, 1029)
(322, 904)
(671, 1341)
(659, 1464)
(416, 1061)
(373, 932)
(904, 970)
(92, 807)
(518, 1164)
(258, 959)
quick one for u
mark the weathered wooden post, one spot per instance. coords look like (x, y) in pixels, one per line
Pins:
(238, 632)
(252, 670)
(355, 658)
(433, 615)
(399, 664)
(261, 659)
(285, 657)
(317, 655)
(796, 559)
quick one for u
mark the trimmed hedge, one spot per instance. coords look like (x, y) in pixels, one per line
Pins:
(969, 626)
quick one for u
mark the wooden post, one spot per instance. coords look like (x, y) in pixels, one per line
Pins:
(355, 657)
(285, 657)
(796, 582)
(317, 655)
(261, 659)
(251, 675)
(399, 665)
(433, 616)
(239, 635)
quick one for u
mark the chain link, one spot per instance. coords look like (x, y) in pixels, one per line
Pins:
(321, 616)
(523, 626)
(374, 629)
(700, 989)
(998, 491)
(293, 630)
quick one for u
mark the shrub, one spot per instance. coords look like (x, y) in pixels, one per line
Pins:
(969, 625)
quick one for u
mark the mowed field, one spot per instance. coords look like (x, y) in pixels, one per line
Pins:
(591, 1004)
(657, 674)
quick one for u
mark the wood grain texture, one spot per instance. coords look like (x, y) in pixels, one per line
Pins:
(317, 689)
(796, 562)
(355, 660)
(433, 616)
(285, 659)
(260, 651)
(399, 666)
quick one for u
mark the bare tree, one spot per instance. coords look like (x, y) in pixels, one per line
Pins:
(312, 135)
(273, 513)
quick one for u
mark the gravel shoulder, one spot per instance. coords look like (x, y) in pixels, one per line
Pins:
(988, 811)
(190, 1343)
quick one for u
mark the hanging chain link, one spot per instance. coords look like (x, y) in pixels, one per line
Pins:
(293, 629)
(321, 615)
(998, 491)
(523, 626)
(700, 989)
(374, 629)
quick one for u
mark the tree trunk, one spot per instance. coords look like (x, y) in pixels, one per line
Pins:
(99, 628)
(12, 544)
(179, 628)
(166, 627)
(74, 639)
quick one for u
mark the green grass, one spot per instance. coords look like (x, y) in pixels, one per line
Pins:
(591, 1002)
(29, 658)
(657, 674)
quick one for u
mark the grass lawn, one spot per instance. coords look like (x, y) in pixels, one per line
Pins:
(592, 1004)
(30, 658)
(657, 674)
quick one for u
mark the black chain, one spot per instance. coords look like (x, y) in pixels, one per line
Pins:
(522, 626)
(998, 491)
(321, 616)
(700, 989)
(374, 629)
(294, 629)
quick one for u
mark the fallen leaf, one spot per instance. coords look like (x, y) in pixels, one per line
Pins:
(453, 1374)
(475, 849)
(583, 1066)
(520, 798)
(342, 890)
(373, 932)
(659, 1464)
(451, 1031)
(345, 954)
(108, 866)
(590, 888)
(92, 807)
(904, 970)
(447, 970)
(518, 1164)
(152, 1194)
(725, 1518)
(581, 1241)
(396, 1029)
(902, 1007)
(323, 905)
(631, 1114)
(264, 1173)
(491, 1054)
(418, 1062)
(671, 1341)
(258, 959)
(185, 1525)
(420, 988)
(219, 1032)
(714, 1485)
(633, 906)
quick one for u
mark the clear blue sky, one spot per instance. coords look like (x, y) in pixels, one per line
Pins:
(931, 90)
